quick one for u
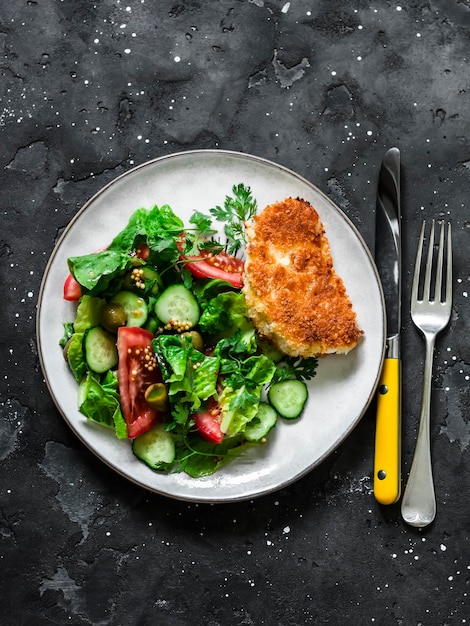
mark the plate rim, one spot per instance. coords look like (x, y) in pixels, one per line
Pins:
(262, 161)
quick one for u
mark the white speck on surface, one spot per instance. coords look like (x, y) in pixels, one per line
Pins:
(285, 8)
(177, 59)
(443, 547)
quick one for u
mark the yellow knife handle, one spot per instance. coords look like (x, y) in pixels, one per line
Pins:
(387, 461)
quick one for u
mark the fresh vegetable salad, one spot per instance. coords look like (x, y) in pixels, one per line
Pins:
(162, 346)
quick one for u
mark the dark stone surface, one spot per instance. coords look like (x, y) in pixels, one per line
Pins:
(88, 90)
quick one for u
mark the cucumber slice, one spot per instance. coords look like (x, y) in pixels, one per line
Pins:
(156, 447)
(134, 307)
(101, 353)
(177, 307)
(261, 424)
(288, 397)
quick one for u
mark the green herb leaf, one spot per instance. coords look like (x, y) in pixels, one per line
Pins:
(236, 211)
(203, 223)
(293, 367)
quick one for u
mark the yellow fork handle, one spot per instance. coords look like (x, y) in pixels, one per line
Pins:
(387, 461)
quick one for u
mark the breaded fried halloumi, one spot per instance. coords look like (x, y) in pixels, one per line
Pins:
(294, 296)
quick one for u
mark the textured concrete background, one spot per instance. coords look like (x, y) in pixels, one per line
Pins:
(88, 90)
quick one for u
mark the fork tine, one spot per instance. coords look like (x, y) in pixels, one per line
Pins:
(449, 265)
(427, 277)
(440, 263)
(414, 288)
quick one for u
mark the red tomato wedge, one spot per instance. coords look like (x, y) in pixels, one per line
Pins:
(135, 373)
(208, 424)
(142, 251)
(72, 289)
(222, 266)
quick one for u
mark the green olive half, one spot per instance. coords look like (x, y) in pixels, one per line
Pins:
(157, 397)
(112, 316)
(196, 339)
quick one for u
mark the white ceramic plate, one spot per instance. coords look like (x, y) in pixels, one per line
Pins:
(343, 386)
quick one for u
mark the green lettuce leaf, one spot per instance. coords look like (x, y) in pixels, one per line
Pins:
(99, 402)
(239, 400)
(227, 314)
(96, 271)
(208, 288)
(201, 458)
(136, 230)
(88, 313)
(158, 227)
(190, 374)
(68, 332)
(76, 356)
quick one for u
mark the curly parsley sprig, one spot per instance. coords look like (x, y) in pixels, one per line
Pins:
(237, 209)
(296, 367)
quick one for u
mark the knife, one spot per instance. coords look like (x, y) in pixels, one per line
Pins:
(387, 459)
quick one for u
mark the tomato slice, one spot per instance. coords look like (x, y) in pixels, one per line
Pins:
(222, 266)
(72, 289)
(142, 251)
(208, 424)
(136, 373)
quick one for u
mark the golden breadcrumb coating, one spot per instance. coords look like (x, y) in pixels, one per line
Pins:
(293, 293)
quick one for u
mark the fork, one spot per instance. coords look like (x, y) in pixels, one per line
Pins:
(430, 314)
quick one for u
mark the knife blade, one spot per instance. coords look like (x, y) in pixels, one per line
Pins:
(387, 457)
